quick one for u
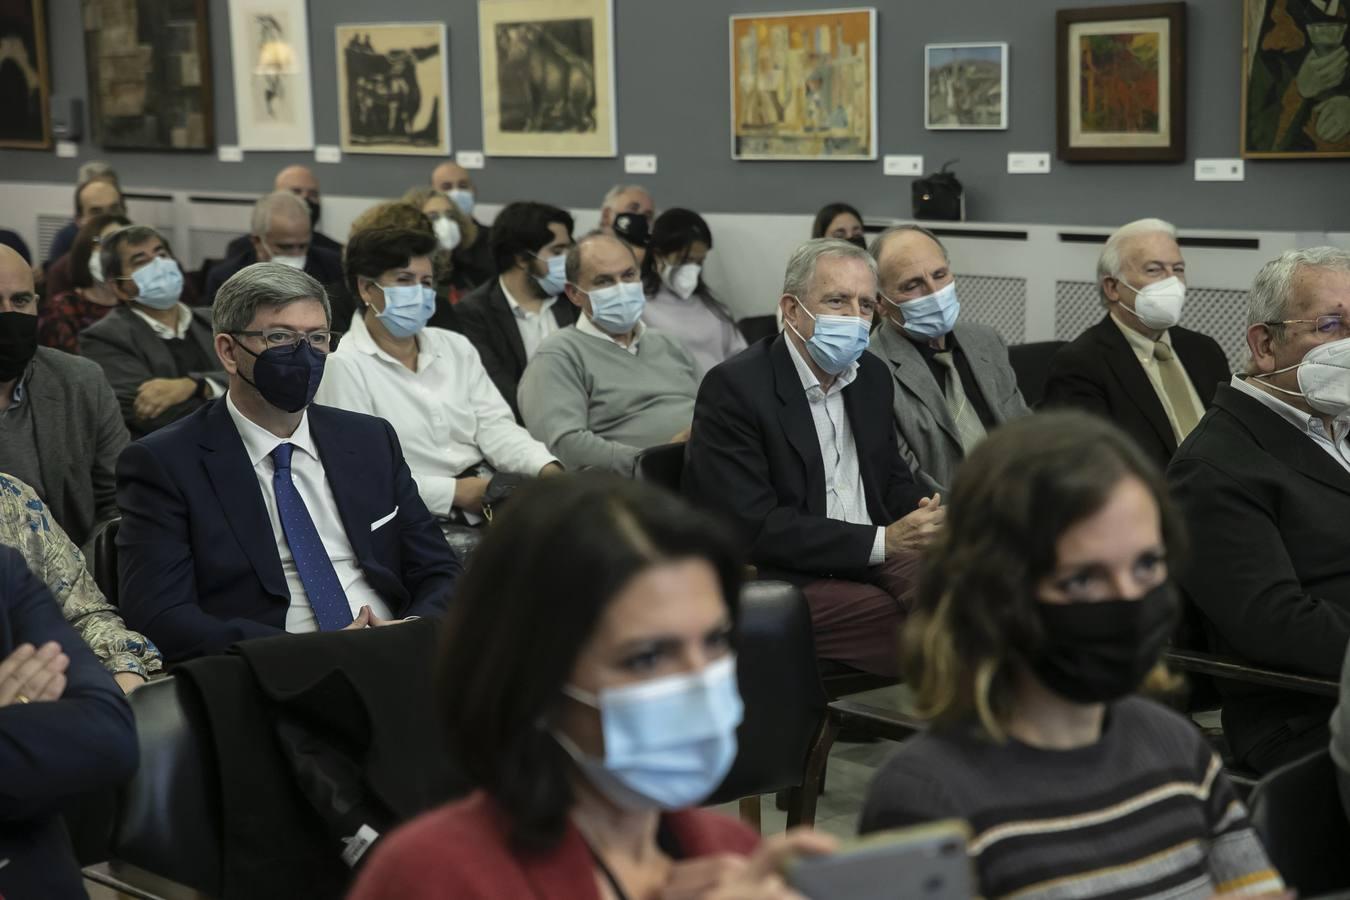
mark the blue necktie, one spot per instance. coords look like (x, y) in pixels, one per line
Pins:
(311, 559)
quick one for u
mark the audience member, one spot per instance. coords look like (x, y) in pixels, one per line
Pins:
(1044, 608)
(1264, 480)
(592, 696)
(839, 220)
(626, 198)
(395, 214)
(792, 441)
(15, 242)
(474, 257)
(60, 429)
(1136, 366)
(61, 317)
(157, 354)
(601, 392)
(452, 228)
(454, 426)
(953, 379)
(300, 181)
(68, 733)
(99, 197)
(678, 301)
(634, 230)
(508, 317)
(279, 232)
(58, 563)
(92, 171)
(261, 512)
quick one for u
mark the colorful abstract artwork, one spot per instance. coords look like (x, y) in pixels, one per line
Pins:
(966, 86)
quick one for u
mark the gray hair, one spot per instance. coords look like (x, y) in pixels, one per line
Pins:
(263, 284)
(620, 189)
(879, 242)
(95, 168)
(1268, 300)
(572, 266)
(278, 202)
(801, 267)
(110, 247)
(1108, 264)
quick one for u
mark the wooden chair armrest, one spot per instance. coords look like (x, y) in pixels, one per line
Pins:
(1228, 669)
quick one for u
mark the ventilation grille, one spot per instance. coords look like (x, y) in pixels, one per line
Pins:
(997, 301)
(48, 225)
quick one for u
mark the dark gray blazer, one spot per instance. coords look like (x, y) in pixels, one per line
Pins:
(923, 424)
(131, 354)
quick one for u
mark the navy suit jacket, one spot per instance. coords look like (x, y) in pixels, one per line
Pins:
(52, 752)
(198, 563)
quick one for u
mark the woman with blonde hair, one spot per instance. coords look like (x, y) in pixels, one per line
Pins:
(453, 230)
(1045, 606)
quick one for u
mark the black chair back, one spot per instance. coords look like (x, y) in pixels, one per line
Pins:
(663, 465)
(1031, 363)
(784, 702)
(103, 548)
(1298, 813)
(756, 328)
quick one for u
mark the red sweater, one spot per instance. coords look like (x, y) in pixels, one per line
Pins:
(460, 851)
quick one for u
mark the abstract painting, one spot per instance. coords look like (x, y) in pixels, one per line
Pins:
(966, 86)
(548, 77)
(24, 80)
(149, 68)
(803, 85)
(1295, 93)
(1122, 83)
(269, 43)
(393, 89)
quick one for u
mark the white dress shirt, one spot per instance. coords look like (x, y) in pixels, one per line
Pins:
(178, 332)
(845, 497)
(533, 326)
(1143, 351)
(449, 416)
(312, 483)
(1336, 444)
(586, 326)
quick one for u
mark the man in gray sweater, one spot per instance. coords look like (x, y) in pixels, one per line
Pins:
(607, 388)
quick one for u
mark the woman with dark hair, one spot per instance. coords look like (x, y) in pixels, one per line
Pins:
(839, 220)
(591, 694)
(1045, 605)
(678, 302)
(62, 317)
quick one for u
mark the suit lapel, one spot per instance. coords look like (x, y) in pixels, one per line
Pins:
(914, 378)
(150, 346)
(979, 355)
(499, 309)
(241, 501)
(1282, 440)
(50, 430)
(794, 415)
(1125, 366)
(341, 466)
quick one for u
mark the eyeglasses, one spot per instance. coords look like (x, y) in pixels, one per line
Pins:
(281, 337)
(1323, 325)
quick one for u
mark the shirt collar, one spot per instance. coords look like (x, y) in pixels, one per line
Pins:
(810, 383)
(586, 326)
(1304, 422)
(259, 442)
(20, 392)
(179, 331)
(359, 338)
(519, 311)
(1141, 345)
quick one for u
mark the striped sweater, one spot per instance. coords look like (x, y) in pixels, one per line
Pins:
(1144, 812)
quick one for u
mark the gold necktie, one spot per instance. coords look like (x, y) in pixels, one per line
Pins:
(1175, 385)
(969, 429)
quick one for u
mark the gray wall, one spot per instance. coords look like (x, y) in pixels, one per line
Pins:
(673, 101)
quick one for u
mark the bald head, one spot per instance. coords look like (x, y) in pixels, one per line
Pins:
(599, 260)
(450, 176)
(911, 263)
(17, 293)
(300, 181)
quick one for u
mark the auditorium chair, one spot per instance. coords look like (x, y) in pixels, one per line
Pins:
(1298, 813)
(1031, 364)
(756, 328)
(103, 554)
(663, 465)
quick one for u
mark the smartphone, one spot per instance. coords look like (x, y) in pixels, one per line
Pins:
(925, 861)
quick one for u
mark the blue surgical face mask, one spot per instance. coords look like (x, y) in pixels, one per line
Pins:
(837, 342)
(407, 307)
(931, 316)
(616, 309)
(556, 279)
(669, 742)
(463, 199)
(159, 283)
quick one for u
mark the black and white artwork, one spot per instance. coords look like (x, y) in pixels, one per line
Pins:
(270, 53)
(393, 89)
(24, 84)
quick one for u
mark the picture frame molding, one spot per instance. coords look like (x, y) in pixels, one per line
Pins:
(1005, 76)
(242, 82)
(40, 46)
(344, 127)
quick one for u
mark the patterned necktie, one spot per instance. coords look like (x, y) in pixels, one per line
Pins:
(317, 574)
(1175, 386)
(969, 428)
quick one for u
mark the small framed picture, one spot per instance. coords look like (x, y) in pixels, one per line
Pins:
(965, 86)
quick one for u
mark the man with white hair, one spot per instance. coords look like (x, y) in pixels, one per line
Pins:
(1136, 366)
(626, 198)
(792, 441)
(1264, 482)
(280, 231)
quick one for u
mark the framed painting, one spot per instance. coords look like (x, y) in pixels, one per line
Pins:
(393, 89)
(548, 77)
(1295, 93)
(149, 69)
(25, 83)
(965, 86)
(269, 50)
(804, 85)
(1122, 83)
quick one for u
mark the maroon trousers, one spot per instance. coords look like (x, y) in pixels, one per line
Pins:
(858, 622)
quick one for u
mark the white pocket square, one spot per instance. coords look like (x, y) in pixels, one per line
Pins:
(385, 521)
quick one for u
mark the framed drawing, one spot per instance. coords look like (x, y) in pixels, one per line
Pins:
(25, 82)
(965, 86)
(1295, 93)
(804, 85)
(548, 77)
(149, 68)
(393, 89)
(1122, 83)
(269, 48)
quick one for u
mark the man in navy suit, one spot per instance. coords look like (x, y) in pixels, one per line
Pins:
(259, 513)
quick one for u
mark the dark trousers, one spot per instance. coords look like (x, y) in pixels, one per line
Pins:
(1285, 745)
(858, 622)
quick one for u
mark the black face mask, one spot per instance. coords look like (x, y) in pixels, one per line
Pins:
(1098, 652)
(18, 343)
(314, 209)
(632, 229)
(858, 240)
(287, 377)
